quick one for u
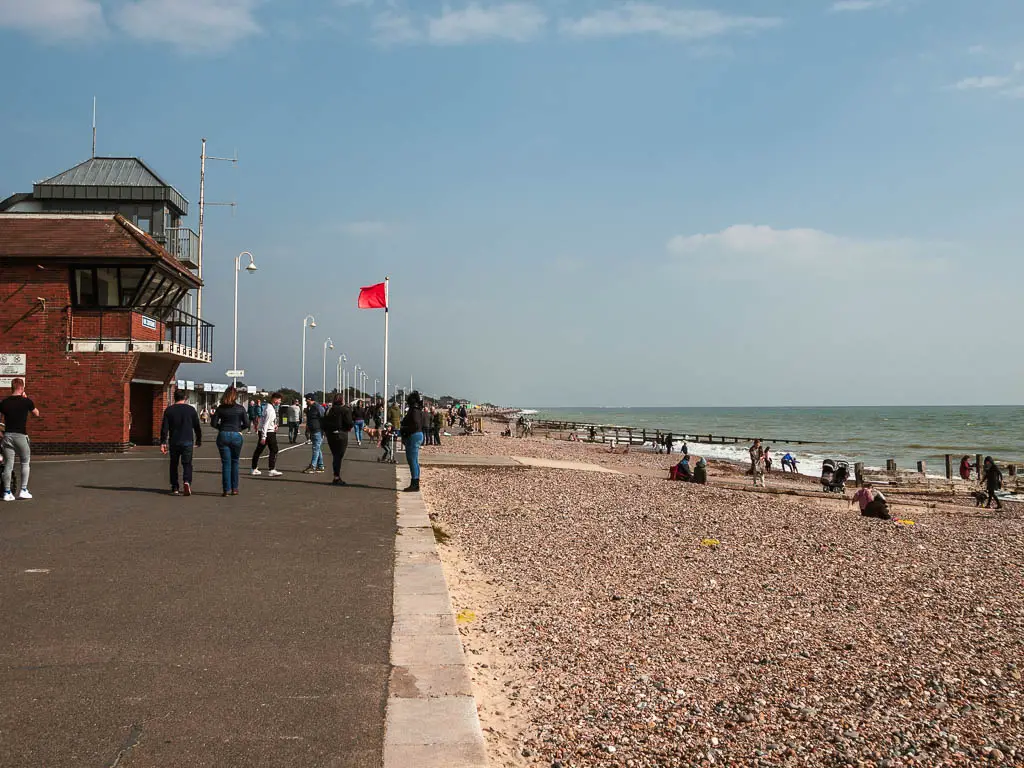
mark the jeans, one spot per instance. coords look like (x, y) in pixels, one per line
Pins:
(182, 453)
(359, 424)
(230, 446)
(293, 432)
(339, 444)
(271, 445)
(412, 453)
(15, 443)
(317, 462)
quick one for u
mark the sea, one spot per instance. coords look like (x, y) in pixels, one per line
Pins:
(870, 434)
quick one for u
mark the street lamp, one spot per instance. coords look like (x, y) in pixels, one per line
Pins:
(250, 269)
(375, 381)
(355, 379)
(341, 374)
(311, 321)
(328, 344)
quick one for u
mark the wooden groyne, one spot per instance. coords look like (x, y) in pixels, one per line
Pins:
(623, 435)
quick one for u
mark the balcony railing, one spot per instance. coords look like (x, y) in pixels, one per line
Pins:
(183, 244)
(178, 334)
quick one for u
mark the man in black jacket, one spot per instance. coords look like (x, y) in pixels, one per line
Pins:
(180, 425)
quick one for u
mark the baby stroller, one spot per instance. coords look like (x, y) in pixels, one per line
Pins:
(833, 475)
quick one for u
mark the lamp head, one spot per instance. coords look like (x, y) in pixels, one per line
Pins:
(251, 267)
(312, 324)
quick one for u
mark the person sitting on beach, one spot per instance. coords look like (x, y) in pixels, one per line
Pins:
(682, 471)
(789, 463)
(872, 503)
(700, 471)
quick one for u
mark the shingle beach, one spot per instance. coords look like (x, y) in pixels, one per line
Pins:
(629, 621)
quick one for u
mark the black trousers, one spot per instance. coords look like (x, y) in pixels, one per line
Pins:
(271, 446)
(338, 443)
(436, 433)
(183, 454)
(992, 497)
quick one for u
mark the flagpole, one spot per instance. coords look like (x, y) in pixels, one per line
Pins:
(387, 310)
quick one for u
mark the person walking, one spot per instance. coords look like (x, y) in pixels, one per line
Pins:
(315, 433)
(15, 411)
(254, 413)
(412, 437)
(669, 442)
(993, 482)
(267, 432)
(463, 413)
(359, 421)
(757, 463)
(230, 420)
(337, 423)
(293, 424)
(180, 425)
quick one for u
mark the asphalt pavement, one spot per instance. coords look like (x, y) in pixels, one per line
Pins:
(140, 629)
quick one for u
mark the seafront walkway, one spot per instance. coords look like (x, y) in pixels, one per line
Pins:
(142, 629)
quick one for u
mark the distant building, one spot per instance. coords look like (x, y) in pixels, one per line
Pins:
(97, 275)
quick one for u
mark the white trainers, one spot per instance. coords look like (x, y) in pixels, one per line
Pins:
(275, 473)
(256, 472)
(8, 496)
(24, 494)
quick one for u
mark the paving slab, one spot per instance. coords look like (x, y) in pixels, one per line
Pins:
(148, 630)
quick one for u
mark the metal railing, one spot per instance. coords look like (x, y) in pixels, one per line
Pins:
(189, 331)
(183, 244)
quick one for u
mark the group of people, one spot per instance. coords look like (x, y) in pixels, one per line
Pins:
(181, 434)
(684, 472)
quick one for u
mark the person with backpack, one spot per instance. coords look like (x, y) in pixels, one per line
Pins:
(336, 424)
(993, 482)
(315, 433)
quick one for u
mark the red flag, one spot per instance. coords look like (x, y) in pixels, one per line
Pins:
(373, 297)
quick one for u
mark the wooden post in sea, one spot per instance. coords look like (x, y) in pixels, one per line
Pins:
(858, 472)
(949, 467)
(1012, 470)
(890, 465)
(644, 437)
(980, 460)
(921, 466)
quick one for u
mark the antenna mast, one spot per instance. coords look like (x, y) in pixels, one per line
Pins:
(202, 216)
(94, 126)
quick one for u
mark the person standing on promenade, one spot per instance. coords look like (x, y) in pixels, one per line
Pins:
(230, 420)
(267, 432)
(180, 434)
(436, 425)
(337, 423)
(15, 411)
(254, 413)
(993, 482)
(412, 436)
(359, 421)
(315, 434)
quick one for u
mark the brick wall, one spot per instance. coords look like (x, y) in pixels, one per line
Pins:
(83, 398)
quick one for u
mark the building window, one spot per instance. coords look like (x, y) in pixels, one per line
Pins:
(85, 288)
(130, 279)
(107, 293)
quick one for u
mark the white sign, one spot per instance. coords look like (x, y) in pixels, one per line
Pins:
(148, 322)
(12, 364)
(5, 382)
(240, 374)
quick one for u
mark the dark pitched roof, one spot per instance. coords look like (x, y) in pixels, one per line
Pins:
(17, 197)
(108, 172)
(71, 238)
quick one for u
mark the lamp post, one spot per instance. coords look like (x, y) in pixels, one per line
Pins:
(341, 374)
(328, 344)
(375, 381)
(250, 269)
(311, 321)
(355, 379)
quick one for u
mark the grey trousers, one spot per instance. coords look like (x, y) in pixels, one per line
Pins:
(16, 444)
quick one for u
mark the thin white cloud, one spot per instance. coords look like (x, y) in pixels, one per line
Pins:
(53, 20)
(518, 22)
(191, 25)
(366, 229)
(393, 28)
(981, 83)
(638, 18)
(858, 5)
(748, 246)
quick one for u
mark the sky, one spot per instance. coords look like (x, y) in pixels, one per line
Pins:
(579, 202)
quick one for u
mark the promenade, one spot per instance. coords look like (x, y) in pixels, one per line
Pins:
(141, 629)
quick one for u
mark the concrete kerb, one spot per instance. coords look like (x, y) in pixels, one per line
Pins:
(431, 712)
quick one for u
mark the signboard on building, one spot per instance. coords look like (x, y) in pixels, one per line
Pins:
(12, 364)
(148, 322)
(5, 383)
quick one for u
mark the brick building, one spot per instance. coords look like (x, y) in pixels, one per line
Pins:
(94, 304)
